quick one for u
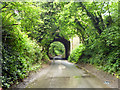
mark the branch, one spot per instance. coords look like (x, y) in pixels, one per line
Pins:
(76, 20)
(94, 19)
(81, 32)
(10, 25)
(102, 22)
(4, 6)
(108, 8)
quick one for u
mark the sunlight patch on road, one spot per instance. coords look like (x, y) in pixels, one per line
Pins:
(61, 67)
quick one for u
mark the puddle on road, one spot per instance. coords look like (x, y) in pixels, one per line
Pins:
(83, 76)
(77, 76)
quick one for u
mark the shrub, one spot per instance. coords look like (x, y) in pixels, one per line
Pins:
(76, 53)
(19, 54)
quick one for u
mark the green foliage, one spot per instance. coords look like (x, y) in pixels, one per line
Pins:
(111, 36)
(104, 51)
(24, 24)
(76, 53)
(56, 48)
(45, 57)
(20, 52)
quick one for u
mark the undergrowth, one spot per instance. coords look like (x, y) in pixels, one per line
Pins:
(21, 55)
(103, 52)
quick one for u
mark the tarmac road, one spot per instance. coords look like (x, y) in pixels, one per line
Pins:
(63, 74)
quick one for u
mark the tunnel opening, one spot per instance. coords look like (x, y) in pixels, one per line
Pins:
(66, 44)
(57, 49)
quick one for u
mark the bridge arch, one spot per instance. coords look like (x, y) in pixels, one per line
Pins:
(66, 44)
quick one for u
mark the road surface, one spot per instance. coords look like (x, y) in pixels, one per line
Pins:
(63, 74)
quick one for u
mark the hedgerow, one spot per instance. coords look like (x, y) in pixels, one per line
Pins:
(20, 53)
(103, 52)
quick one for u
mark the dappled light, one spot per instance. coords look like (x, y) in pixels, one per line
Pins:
(56, 49)
(34, 32)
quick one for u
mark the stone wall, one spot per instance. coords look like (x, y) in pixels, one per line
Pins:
(75, 41)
